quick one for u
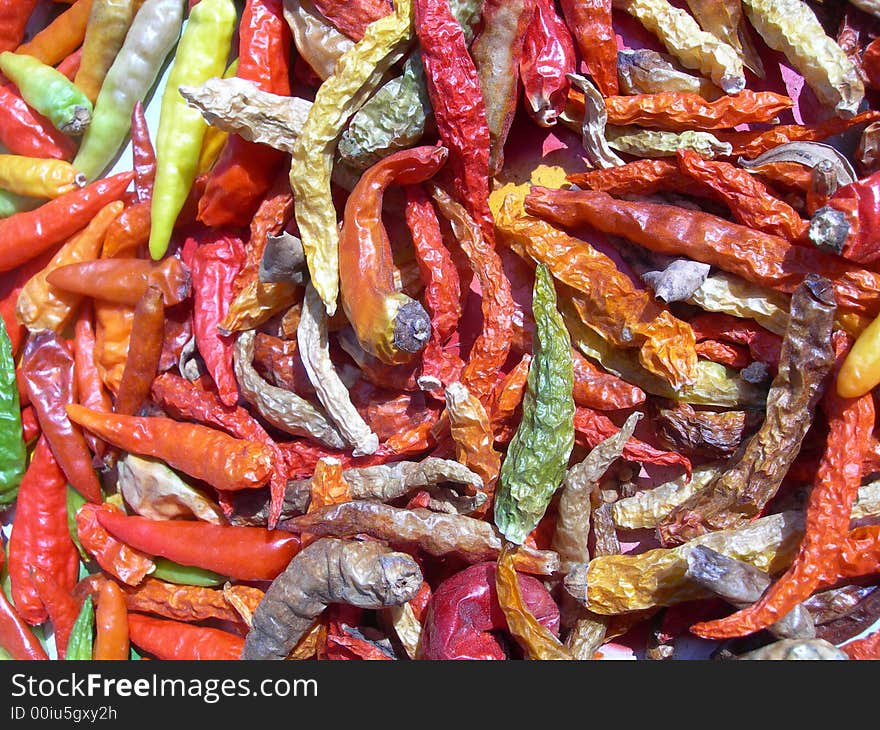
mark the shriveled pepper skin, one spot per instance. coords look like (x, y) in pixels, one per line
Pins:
(548, 57)
(388, 323)
(463, 615)
(201, 54)
(538, 453)
(590, 24)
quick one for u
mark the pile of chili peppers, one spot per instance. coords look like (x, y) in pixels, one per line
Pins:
(439, 329)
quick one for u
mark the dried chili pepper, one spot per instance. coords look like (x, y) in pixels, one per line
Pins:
(48, 370)
(143, 154)
(640, 177)
(60, 603)
(752, 479)
(725, 20)
(352, 18)
(643, 71)
(62, 36)
(40, 537)
(244, 553)
(188, 602)
(388, 323)
(751, 202)
(845, 225)
(435, 533)
(116, 558)
(594, 388)
(337, 99)
(26, 235)
(111, 624)
(174, 640)
(590, 25)
(547, 57)
(757, 257)
(867, 647)
(705, 434)
(244, 171)
(144, 352)
(364, 574)
(538, 452)
(606, 299)
(13, 455)
(464, 615)
(490, 349)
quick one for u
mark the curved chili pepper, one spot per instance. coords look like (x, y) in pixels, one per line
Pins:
(61, 605)
(25, 235)
(15, 636)
(464, 613)
(459, 109)
(755, 256)
(40, 537)
(388, 323)
(24, 132)
(61, 37)
(115, 557)
(547, 59)
(166, 639)
(111, 623)
(48, 370)
(224, 462)
(143, 153)
(129, 233)
(90, 390)
(639, 177)
(201, 54)
(763, 345)
(245, 171)
(594, 388)
(14, 16)
(242, 553)
(38, 178)
(847, 224)
(108, 23)
(590, 24)
(827, 517)
(124, 281)
(442, 289)
(144, 352)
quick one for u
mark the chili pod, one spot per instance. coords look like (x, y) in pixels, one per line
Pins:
(12, 447)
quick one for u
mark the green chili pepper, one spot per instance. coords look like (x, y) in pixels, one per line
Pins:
(13, 453)
(395, 117)
(201, 54)
(79, 645)
(48, 91)
(187, 575)
(74, 501)
(538, 453)
(149, 40)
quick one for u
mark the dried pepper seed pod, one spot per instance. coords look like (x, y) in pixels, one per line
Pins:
(796, 649)
(363, 574)
(471, 431)
(593, 138)
(725, 20)
(643, 71)
(791, 27)
(388, 323)
(538, 453)
(319, 43)
(590, 24)
(657, 143)
(684, 39)
(645, 509)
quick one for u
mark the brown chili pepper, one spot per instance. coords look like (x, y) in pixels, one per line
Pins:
(48, 370)
(750, 201)
(756, 257)
(144, 352)
(702, 434)
(639, 177)
(751, 480)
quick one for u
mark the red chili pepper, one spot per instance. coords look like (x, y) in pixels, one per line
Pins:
(61, 605)
(70, 65)
(763, 345)
(11, 285)
(40, 538)
(143, 153)
(590, 24)
(591, 428)
(851, 422)
(167, 639)
(48, 370)
(459, 109)
(858, 555)
(215, 264)
(871, 63)
(245, 171)
(115, 557)
(144, 352)
(186, 400)
(442, 296)
(242, 553)
(594, 388)
(352, 16)
(130, 232)
(25, 235)
(15, 636)
(111, 624)
(89, 385)
(733, 356)
(848, 224)
(865, 648)
(547, 59)
(14, 16)
(639, 177)
(24, 132)
(30, 427)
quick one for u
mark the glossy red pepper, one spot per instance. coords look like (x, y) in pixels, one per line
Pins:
(167, 639)
(115, 557)
(849, 222)
(590, 24)
(63, 608)
(143, 153)
(14, 16)
(15, 636)
(24, 132)
(90, 390)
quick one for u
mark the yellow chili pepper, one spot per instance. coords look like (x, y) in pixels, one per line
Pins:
(201, 54)
(109, 21)
(861, 369)
(215, 138)
(38, 178)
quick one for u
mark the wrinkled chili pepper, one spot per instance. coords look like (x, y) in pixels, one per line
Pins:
(827, 516)
(352, 18)
(845, 225)
(144, 352)
(594, 388)
(175, 640)
(867, 647)
(388, 323)
(757, 257)
(143, 154)
(547, 59)
(763, 345)
(116, 558)
(40, 538)
(48, 370)
(111, 624)
(703, 433)
(245, 553)
(590, 25)
(639, 177)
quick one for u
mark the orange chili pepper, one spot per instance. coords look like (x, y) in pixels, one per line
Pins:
(144, 352)
(167, 639)
(115, 557)
(590, 24)
(111, 624)
(61, 37)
